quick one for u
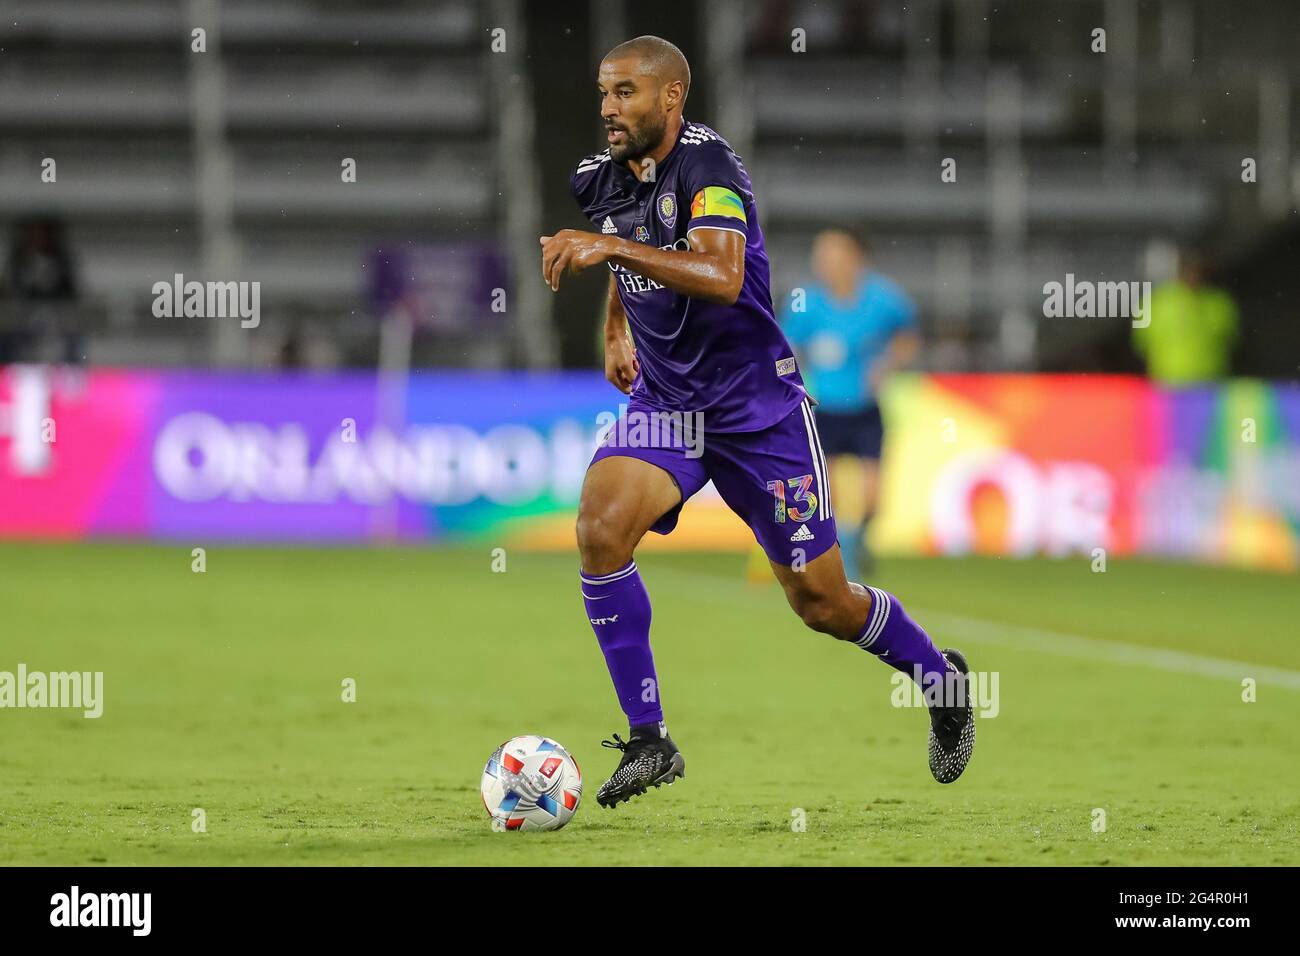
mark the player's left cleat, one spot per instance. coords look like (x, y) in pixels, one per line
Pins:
(650, 759)
(952, 723)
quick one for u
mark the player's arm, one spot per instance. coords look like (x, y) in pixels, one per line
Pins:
(713, 269)
(902, 349)
(621, 365)
(900, 353)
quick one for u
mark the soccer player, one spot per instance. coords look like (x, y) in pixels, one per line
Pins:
(678, 228)
(854, 329)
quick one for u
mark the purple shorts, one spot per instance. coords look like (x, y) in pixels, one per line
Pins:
(774, 479)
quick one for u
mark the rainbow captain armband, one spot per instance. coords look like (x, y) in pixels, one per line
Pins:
(717, 201)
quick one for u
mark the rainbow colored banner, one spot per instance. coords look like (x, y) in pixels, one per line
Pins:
(1062, 464)
(1000, 464)
(288, 456)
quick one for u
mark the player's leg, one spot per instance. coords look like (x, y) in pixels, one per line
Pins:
(776, 482)
(858, 562)
(874, 620)
(869, 617)
(852, 443)
(870, 478)
(623, 497)
(845, 468)
(872, 438)
(839, 444)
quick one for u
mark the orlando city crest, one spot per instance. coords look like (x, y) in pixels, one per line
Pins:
(668, 210)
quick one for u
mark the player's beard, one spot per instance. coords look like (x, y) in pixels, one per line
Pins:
(642, 140)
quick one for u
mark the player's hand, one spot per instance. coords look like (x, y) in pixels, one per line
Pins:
(621, 365)
(875, 378)
(570, 250)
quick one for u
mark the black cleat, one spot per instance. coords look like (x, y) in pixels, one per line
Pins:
(650, 758)
(952, 723)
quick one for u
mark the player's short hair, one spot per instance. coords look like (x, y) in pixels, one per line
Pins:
(668, 62)
(855, 234)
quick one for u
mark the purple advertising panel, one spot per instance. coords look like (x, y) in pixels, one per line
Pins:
(1041, 465)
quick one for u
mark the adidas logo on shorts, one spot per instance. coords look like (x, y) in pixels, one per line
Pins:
(803, 534)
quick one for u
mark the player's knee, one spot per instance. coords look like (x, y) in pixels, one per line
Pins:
(602, 543)
(817, 611)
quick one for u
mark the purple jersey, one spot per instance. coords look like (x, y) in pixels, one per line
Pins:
(731, 363)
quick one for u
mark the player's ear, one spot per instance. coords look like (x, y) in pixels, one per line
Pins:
(674, 94)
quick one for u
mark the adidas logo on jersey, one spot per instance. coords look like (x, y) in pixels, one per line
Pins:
(803, 534)
(608, 227)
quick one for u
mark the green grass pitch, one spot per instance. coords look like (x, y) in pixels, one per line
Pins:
(1119, 690)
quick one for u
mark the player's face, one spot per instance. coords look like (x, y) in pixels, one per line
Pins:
(836, 259)
(633, 109)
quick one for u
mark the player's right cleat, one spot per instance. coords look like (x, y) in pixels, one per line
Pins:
(952, 723)
(650, 758)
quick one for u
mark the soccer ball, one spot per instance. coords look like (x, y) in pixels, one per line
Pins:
(531, 783)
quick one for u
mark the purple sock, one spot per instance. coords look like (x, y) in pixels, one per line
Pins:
(897, 640)
(619, 610)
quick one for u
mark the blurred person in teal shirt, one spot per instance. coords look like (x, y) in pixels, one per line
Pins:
(855, 327)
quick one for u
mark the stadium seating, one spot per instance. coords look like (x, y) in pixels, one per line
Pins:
(1047, 182)
(107, 90)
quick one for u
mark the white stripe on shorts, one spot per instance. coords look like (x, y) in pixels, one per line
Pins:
(823, 499)
(830, 507)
